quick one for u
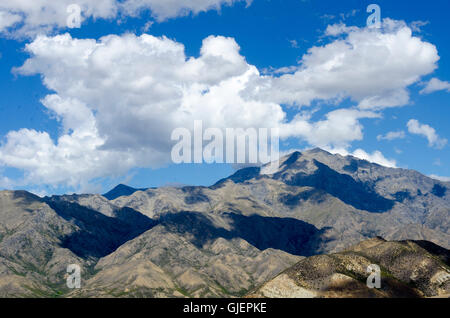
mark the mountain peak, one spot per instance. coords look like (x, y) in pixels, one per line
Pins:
(20, 194)
(318, 150)
(293, 157)
(121, 190)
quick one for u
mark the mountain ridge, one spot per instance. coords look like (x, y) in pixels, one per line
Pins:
(121, 190)
(217, 241)
(410, 269)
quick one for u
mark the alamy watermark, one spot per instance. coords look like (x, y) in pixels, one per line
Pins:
(74, 17)
(374, 20)
(374, 279)
(74, 278)
(230, 145)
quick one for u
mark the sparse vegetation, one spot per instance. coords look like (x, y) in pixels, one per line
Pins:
(224, 240)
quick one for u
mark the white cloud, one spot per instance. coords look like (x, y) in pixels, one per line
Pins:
(375, 157)
(345, 16)
(73, 161)
(444, 179)
(119, 98)
(339, 29)
(328, 17)
(8, 19)
(294, 44)
(44, 16)
(392, 135)
(29, 18)
(5, 183)
(416, 26)
(434, 85)
(281, 70)
(371, 67)
(40, 192)
(165, 9)
(339, 129)
(415, 127)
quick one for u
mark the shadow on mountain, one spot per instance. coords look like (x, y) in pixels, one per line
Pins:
(194, 195)
(99, 235)
(287, 234)
(354, 165)
(393, 287)
(439, 190)
(120, 190)
(315, 196)
(292, 159)
(357, 194)
(26, 198)
(239, 176)
(442, 253)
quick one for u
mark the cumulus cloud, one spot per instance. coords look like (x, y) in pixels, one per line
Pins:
(440, 178)
(371, 67)
(338, 29)
(165, 9)
(5, 183)
(338, 129)
(375, 157)
(434, 85)
(415, 127)
(8, 19)
(24, 18)
(28, 18)
(392, 135)
(119, 98)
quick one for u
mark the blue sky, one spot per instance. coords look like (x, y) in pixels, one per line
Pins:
(38, 54)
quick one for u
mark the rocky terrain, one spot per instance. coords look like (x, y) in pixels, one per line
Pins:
(217, 241)
(408, 269)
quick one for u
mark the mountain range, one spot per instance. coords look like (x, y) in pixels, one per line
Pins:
(234, 238)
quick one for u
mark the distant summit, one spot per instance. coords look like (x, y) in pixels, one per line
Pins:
(120, 190)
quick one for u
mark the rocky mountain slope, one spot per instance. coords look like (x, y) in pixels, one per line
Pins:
(122, 252)
(408, 269)
(346, 199)
(216, 241)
